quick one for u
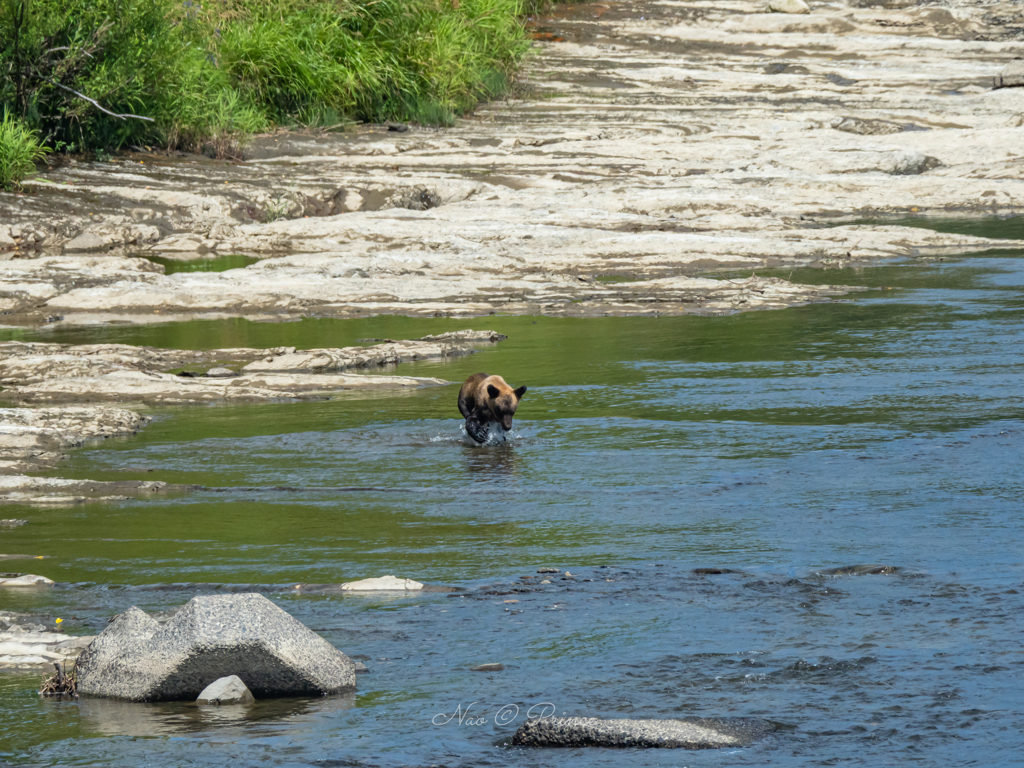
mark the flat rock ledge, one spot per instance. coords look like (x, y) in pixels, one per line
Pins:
(36, 440)
(138, 659)
(382, 584)
(683, 733)
(45, 373)
(21, 648)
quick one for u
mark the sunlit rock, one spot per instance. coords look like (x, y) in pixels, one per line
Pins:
(24, 580)
(226, 690)
(1012, 76)
(21, 647)
(788, 6)
(138, 659)
(86, 242)
(382, 584)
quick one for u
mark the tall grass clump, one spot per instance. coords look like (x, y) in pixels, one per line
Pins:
(20, 150)
(370, 60)
(203, 74)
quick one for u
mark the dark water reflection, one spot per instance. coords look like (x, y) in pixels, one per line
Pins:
(885, 430)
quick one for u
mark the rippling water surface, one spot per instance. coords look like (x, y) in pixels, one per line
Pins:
(775, 445)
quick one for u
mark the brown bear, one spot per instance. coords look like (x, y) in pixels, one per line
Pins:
(484, 400)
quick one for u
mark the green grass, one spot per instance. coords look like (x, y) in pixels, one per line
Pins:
(20, 150)
(205, 76)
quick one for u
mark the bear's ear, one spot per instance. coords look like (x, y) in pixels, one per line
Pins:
(520, 392)
(493, 391)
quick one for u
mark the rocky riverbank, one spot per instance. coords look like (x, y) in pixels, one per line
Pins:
(656, 146)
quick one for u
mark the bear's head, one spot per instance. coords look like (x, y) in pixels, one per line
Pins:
(502, 400)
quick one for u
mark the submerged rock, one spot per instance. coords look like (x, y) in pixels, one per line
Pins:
(24, 580)
(138, 659)
(24, 647)
(684, 733)
(226, 690)
(860, 570)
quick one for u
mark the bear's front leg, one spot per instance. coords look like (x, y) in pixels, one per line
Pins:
(476, 429)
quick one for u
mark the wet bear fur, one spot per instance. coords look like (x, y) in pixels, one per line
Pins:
(484, 400)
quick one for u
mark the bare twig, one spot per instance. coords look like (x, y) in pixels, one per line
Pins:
(96, 103)
(61, 682)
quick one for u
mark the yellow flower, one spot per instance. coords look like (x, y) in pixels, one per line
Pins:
(58, 621)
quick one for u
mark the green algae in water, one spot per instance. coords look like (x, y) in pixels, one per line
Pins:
(216, 264)
(617, 278)
(996, 227)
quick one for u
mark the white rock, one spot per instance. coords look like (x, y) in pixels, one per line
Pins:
(788, 6)
(1012, 75)
(909, 163)
(28, 649)
(382, 584)
(226, 690)
(26, 580)
(142, 233)
(86, 242)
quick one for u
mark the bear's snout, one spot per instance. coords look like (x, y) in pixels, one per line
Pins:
(506, 422)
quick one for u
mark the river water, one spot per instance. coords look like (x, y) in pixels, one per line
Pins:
(778, 445)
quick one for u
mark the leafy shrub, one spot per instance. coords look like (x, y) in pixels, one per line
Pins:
(20, 150)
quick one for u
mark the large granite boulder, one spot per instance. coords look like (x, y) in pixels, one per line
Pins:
(685, 733)
(138, 659)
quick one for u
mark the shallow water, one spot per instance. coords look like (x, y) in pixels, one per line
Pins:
(213, 264)
(779, 444)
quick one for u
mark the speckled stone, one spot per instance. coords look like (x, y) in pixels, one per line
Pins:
(684, 733)
(138, 659)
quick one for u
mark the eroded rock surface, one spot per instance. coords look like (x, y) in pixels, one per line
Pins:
(34, 440)
(20, 647)
(33, 373)
(382, 584)
(661, 143)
